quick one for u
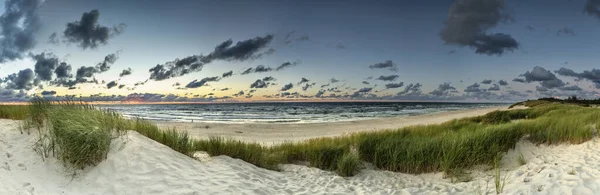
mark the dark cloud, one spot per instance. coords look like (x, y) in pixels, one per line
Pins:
(227, 74)
(519, 80)
(140, 83)
(111, 84)
(21, 80)
(125, 72)
(571, 88)
(565, 31)
(502, 82)
(494, 88)
(241, 51)
(326, 85)
(546, 78)
(121, 86)
(176, 84)
(486, 81)
(108, 60)
(84, 74)
(366, 82)
(394, 85)
(19, 25)
(468, 21)
(241, 93)
(592, 8)
(45, 65)
(452, 52)
(63, 70)
(340, 46)
(258, 69)
(88, 33)
(303, 80)
(202, 82)
(320, 93)
(361, 92)
(305, 87)
(264, 83)
(225, 89)
(385, 65)
(287, 87)
(333, 80)
(474, 88)
(541, 89)
(286, 65)
(388, 78)
(590, 75)
(411, 90)
(443, 89)
(50, 93)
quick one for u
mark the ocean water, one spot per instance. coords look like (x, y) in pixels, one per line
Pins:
(286, 112)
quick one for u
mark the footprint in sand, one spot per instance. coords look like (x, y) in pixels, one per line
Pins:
(8, 155)
(22, 167)
(28, 187)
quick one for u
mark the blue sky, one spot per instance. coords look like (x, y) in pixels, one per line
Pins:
(344, 38)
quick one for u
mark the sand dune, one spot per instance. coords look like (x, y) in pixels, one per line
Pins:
(268, 134)
(138, 165)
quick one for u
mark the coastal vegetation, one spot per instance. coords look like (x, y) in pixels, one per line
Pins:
(80, 135)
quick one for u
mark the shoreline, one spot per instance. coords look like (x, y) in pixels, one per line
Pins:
(276, 133)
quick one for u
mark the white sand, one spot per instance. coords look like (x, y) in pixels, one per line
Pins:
(269, 134)
(142, 166)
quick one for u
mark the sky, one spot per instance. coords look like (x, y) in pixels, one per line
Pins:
(435, 50)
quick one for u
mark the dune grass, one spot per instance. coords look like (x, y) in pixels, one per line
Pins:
(80, 133)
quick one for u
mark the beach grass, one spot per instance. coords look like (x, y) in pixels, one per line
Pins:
(81, 134)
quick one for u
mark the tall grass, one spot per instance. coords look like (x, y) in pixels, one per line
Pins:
(80, 133)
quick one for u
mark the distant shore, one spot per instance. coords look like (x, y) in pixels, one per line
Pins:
(268, 134)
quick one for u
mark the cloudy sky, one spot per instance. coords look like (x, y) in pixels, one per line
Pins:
(150, 50)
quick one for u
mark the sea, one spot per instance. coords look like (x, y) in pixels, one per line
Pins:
(285, 112)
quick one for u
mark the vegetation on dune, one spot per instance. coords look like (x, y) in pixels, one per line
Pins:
(80, 135)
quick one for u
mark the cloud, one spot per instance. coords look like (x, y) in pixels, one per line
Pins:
(388, 78)
(361, 92)
(125, 72)
(443, 89)
(303, 80)
(202, 82)
(571, 88)
(19, 25)
(592, 8)
(530, 28)
(286, 65)
(45, 65)
(565, 31)
(340, 46)
(305, 87)
(264, 83)
(241, 51)
(411, 90)
(385, 65)
(121, 86)
(502, 82)
(21, 80)
(227, 74)
(258, 69)
(63, 70)
(320, 93)
(394, 85)
(468, 21)
(366, 82)
(546, 78)
(333, 80)
(88, 33)
(84, 73)
(111, 84)
(53, 39)
(48, 93)
(486, 81)
(519, 80)
(287, 87)
(590, 75)
(494, 88)
(474, 88)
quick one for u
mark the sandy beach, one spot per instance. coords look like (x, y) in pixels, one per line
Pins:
(138, 165)
(269, 134)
